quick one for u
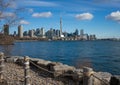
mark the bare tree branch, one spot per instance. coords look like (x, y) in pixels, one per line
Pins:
(9, 15)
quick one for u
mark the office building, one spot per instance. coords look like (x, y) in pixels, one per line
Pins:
(6, 29)
(76, 33)
(81, 32)
(20, 31)
(31, 33)
(42, 32)
(92, 37)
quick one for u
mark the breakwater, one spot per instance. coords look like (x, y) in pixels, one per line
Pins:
(62, 73)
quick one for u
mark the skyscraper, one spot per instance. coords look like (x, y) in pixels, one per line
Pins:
(31, 33)
(76, 33)
(42, 31)
(81, 33)
(20, 31)
(6, 29)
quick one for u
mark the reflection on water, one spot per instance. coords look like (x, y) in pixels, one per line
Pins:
(80, 63)
(7, 49)
(101, 55)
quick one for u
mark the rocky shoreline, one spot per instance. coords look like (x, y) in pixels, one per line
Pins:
(58, 73)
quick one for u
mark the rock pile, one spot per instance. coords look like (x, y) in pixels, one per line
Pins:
(58, 70)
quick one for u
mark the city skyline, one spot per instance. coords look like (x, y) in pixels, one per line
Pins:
(52, 34)
(96, 17)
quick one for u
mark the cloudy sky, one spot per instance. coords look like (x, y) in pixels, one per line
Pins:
(100, 17)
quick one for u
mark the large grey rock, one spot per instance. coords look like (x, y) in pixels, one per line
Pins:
(11, 59)
(115, 80)
(105, 75)
(43, 62)
(62, 69)
(20, 61)
(78, 74)
(34, 59)
(101, 78)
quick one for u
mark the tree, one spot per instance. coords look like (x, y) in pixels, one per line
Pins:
(9, 14)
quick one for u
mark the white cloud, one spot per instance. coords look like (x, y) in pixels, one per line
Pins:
(7, 14)
(42, 14)
(24, 22)
(84, 16)
(13, 4)
(115, 16)
(37, 3)
(30, 10)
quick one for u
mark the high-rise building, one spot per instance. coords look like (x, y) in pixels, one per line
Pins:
(42, 32)
(57, 33)
(6, 29)
(92, 37)
(15, 34)
(81, 33)
(20, 31)
(86, 37)
(31, 33)
(25, 33)
(76, 33)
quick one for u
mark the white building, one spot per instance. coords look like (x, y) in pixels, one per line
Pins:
(31, 33)
(42, 32)
(20, 31)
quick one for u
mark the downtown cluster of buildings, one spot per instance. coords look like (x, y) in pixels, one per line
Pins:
(52, 34)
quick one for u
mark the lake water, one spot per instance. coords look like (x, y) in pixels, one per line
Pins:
(100, 55)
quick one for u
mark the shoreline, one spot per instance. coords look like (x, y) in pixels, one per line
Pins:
(60, 40)
(60, 69)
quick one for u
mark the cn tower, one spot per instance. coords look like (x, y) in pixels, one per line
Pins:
(60, 26)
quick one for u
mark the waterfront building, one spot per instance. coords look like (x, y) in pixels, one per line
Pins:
(49, 34)
(6, 29)
(81, 33)
(20, 31)
(92, 37)
(37, 32)
(31, 33)
(42, 32)
(85, 37)
(76, 33)
(65, 34)
(57, 33)
(14, 34)
(25, 33)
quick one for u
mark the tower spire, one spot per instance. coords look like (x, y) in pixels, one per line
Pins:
(60, 26)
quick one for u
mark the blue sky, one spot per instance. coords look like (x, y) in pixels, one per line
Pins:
(100, 17)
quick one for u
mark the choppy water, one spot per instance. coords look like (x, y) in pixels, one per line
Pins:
(101, 55)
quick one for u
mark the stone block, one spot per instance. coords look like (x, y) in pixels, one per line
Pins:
(115, 80)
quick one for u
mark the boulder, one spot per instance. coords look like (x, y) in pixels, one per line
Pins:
(11, 59)
(115, 80)
(105, 75)
(35, 60)
(62, 69)
(101, 78)
(20, 61)
(43, 62)
(78, 74)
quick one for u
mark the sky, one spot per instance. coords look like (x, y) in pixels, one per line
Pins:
(100, 17)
